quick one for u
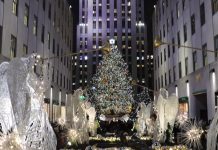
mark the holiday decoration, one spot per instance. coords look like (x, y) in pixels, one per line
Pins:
(144, 97)
(21, 105)
(106, 49)
(112, 92)
(143, 118)
(83, 118)
(191, 134)
(167, 109)
(181, 119)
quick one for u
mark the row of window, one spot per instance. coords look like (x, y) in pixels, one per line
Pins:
(214, 4)
(35, 23)
(62, 81)
(159, 82)
(193, 24)
(204, 57)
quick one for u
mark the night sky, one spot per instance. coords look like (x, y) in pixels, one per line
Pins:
(149, 5)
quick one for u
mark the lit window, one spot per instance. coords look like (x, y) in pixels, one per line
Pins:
(26, 15)
(215, 6)
(14, 7)
(35, 25)
(13, 46)
(49, 39)
(25, 50)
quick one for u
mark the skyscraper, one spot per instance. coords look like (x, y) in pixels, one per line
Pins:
(101, 20)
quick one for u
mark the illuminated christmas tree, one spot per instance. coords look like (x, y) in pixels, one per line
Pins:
(111, 85)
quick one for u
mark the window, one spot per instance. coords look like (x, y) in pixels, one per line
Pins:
(165, 78)
(57, 79)
(94, 24)
(52, 74)
(178, 39)
(61, 79)
(164, 54)
(169, 76)
(115, 4)
(35, 25)
(172, 20)
(185, 32)
(202, 13)
(160, 35)
(43, 34)
(53, 49)
(177, 10)
(99, 11)
(167, 25)
(173, 45)
(168, 47)
(129, 24)
(123, 22)
(100, 24)
(108, 24)
(25, 50)
(0, 39)
(215, 6)
(174, 73)
(186, 65)
(194, 55)
(183, 4)
(43, 5)
(49, 11)
(204, 54)
(216, 46)
(115, 24)
(164, 30)
(193, 24)
(13, 46)
(180, 69)
(58, 49)
(26, 15)
(15, 7)
(161, 60)
(49, 40)
(161, 80)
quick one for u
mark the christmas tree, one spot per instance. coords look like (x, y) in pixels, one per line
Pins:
(111, 84)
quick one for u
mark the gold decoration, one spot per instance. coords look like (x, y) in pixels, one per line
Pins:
(157, 42)
(106, 48)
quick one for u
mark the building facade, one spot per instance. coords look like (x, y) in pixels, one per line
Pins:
(101, 20)
(190, 73)
(38, 26)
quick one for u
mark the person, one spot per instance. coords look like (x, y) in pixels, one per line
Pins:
(176, 130)
(169, 138)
